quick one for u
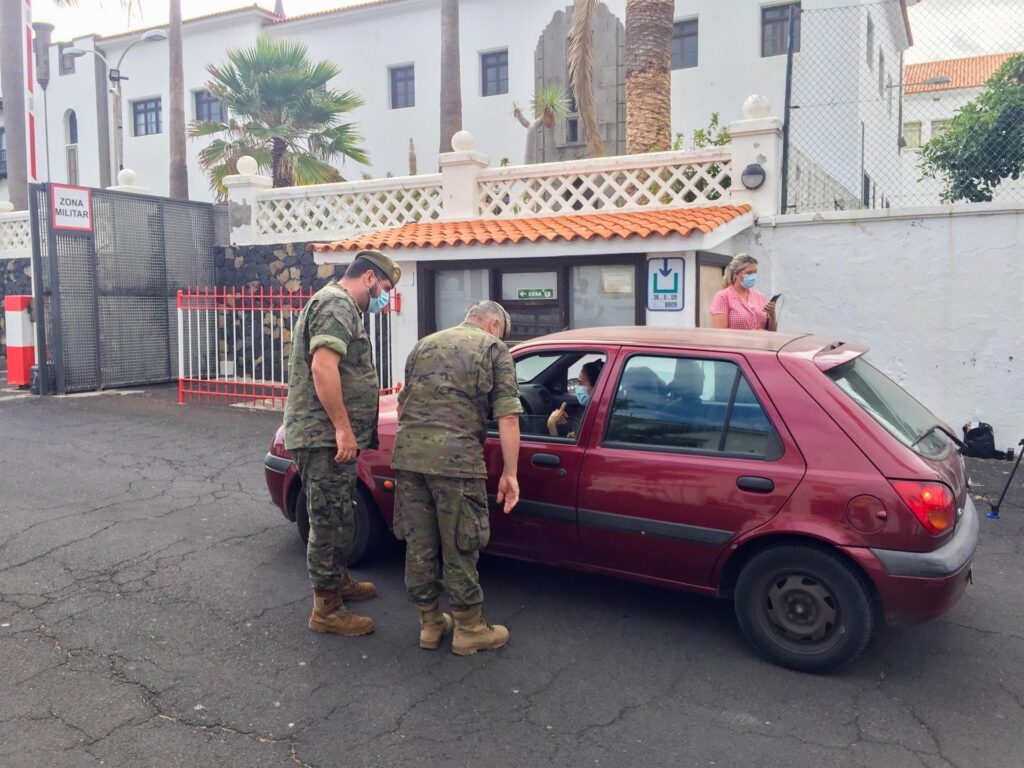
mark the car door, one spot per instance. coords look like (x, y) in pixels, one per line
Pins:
(687, 453)
(543, 524)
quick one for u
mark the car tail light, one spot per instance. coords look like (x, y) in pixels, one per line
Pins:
(932, 503)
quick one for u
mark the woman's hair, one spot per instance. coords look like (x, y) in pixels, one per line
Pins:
(739, 262)
(593, 369)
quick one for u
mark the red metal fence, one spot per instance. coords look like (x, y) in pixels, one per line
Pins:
(233, 344)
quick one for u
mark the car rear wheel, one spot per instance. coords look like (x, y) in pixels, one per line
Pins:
(804, 608)
(370, 528)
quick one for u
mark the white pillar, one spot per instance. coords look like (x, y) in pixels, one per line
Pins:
(126, 183)
(757, 141)
(243, 189)
(458, 178)
(6, 207)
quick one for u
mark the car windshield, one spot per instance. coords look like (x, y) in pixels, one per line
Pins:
(891, 406)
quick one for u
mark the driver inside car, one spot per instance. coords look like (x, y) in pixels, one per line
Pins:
(560, 423)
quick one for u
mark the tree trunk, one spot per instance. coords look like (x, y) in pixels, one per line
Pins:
(451, 77)
(531, 140)
(648, 75)
(581, 73)
(12, 84)
(176, 114)
(283, 176)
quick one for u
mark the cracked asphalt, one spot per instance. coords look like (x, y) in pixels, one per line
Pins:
(153, 609)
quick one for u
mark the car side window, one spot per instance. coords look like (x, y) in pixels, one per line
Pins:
(689, 404)
(547, 384)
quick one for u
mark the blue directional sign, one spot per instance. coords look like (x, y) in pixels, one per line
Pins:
(665, 285)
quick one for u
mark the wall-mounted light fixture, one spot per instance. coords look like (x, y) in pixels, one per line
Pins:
(753, 176)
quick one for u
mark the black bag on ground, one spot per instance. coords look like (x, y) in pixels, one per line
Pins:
(980, 440)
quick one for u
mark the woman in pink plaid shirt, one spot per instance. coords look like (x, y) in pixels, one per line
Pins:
(738, 305)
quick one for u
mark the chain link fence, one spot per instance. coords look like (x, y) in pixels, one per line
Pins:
(897, 104)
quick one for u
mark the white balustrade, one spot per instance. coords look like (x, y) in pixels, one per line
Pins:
(15, 235)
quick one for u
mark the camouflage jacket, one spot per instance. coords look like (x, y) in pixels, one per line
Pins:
(331, 319)
(453, 380)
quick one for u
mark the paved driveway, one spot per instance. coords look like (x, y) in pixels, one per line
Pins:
(153, 609)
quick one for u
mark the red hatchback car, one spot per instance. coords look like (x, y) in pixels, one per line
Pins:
(783, 472)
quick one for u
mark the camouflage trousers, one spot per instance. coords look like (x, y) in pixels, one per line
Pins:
(442, 517)
(330, 498)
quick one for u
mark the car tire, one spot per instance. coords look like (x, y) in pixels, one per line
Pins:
(371, 531)
(804, 608)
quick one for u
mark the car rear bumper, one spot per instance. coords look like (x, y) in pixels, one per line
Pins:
(276, 470)
(918, 586)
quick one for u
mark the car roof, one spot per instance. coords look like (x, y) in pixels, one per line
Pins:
(641, 335)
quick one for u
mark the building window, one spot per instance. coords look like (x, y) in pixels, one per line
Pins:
(71, 154)
(146, 115)
(881, 73)
(494, 73)
(939, 127)
(3, 154)
(70, 127)
(912, 135)
(684, 44)
(775, 29)
(865, 192)
(208, 107)
(871, 43)
(572, 130)
(67, 63)
(403, 87)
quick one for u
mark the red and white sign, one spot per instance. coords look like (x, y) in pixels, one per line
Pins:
(71, 208)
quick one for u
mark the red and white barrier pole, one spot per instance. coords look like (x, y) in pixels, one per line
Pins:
(21, 351)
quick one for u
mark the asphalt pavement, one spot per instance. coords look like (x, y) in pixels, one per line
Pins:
(153, 609)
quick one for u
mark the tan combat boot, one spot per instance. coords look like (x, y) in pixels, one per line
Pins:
(434, 625)
(329, 615)
(352, 590)
(473, 633)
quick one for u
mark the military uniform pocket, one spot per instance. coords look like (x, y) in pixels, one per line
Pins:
(473, 529)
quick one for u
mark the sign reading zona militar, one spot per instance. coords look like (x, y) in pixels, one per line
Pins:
(70, 208)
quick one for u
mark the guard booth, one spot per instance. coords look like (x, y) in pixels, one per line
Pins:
(108, 265)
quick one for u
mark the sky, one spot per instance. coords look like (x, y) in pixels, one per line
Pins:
(943, 28)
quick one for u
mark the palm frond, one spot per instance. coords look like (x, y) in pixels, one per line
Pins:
(581, 72)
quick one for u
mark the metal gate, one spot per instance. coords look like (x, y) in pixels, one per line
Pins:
(111, 264)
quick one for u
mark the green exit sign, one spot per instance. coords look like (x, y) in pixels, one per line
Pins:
(536, 293)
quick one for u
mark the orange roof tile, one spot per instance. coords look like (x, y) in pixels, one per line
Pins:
(604, 226)
(971, 72)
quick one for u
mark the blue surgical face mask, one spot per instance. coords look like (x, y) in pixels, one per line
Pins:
(377, 303)
(749, 280)
(582, 396)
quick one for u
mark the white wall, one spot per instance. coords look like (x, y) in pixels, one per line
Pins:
(927, 289)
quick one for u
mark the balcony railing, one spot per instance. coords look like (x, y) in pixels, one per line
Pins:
(15, 235)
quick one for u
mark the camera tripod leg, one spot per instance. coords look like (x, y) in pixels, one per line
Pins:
(994, 513)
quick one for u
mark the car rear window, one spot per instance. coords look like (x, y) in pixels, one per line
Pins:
(890, 405)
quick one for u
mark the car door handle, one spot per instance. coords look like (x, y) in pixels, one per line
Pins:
(755, 484)
(545, 460)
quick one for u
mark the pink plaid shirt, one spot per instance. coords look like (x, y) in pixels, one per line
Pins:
(744, 315)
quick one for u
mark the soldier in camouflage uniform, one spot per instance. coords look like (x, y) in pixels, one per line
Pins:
(454, 379)
(330, 415)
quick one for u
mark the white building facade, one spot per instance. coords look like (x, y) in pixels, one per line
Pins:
(389, 53)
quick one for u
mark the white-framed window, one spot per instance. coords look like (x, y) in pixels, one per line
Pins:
(684, 44)
(146, 117)
(912, 135)
(494, 73)
(402, 81)
(207, 106)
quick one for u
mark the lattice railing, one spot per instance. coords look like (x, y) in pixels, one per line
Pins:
(326, 211)
(15, 235)
(626, 183)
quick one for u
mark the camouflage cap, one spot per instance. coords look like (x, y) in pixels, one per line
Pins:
(382, 262)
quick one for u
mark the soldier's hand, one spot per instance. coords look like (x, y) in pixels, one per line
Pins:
(508, 492)
(347, 448)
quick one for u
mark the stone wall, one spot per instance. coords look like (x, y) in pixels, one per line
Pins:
(289, 266)
(15, 279)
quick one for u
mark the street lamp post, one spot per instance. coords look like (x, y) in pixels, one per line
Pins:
(115, 77)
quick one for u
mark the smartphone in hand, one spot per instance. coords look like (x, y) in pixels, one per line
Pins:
(776, 297)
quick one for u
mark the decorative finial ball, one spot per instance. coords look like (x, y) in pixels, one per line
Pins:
(756, 107)
(126, 177)
(463, 141)
(247, 165)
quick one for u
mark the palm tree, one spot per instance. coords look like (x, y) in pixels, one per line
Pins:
(12, 84)
(451, 78)
(581, 73)
(648, 75)
(548, 105)
(279, 109)
(176, 115)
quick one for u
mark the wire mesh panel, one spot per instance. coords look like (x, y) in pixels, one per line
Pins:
(111, 311)
(901, 105)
